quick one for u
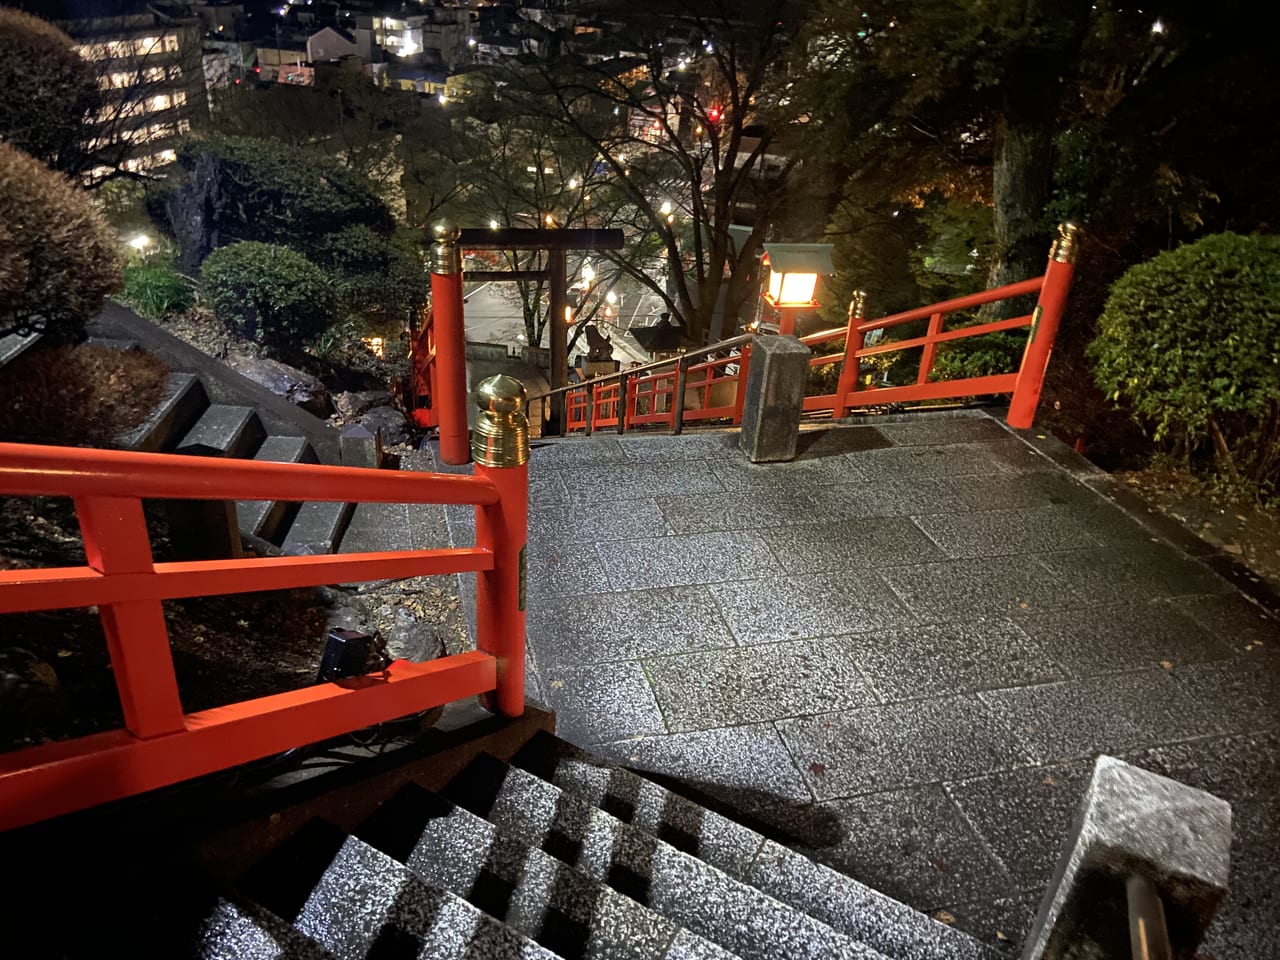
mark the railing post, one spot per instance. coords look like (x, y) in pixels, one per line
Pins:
(930, 351)
(450, 341)
(677, 396)
(624, 401)
(588, 408)
(740, 398)
(500, 448)
(116, 542)
(1044, 327)
(848, 381)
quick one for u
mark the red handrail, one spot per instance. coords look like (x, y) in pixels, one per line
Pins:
(161, 744)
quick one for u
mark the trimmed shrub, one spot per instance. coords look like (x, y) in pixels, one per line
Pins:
(50, 92)
(381, 284)
(58, 257)
(1190, 340)
(156, 291)
(269, 294)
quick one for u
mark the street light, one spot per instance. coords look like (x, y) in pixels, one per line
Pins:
(140, 242)
(794, 269)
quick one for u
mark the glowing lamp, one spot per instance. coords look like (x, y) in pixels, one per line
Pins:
(794, 269)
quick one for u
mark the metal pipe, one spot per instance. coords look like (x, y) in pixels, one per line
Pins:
(1148, 932)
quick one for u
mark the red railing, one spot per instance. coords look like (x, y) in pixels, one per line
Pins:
(712, 390)
(160, 743)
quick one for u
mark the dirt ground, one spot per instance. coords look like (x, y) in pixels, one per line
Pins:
(1242, 529)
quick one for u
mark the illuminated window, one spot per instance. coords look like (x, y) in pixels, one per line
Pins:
(179, 97)
(144, 46)
(175, 73)
(167, 156)
(184, 126)
(119, 48)
(171, 43)
(161, 102)
(153, 74)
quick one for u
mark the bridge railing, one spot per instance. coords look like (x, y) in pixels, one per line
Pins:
(162, 744)
(669, 393)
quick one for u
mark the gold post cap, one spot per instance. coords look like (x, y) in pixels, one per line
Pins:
(858, 305)
(1066, 247)
(445, 256)
(500, 437)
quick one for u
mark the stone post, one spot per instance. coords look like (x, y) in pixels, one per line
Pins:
(1134, 826)
(774, 398)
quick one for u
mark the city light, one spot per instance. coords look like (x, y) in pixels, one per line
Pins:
(443, 99)
(573, 183)
(140, 242)
(493, 224)
(611, 298)
(588, 273)
(666, 207)
(550, 220)
(1158, 27)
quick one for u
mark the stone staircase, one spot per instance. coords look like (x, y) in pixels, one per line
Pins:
(187, 422)
(556, 854)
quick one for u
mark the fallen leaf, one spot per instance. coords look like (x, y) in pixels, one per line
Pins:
(1167, 664)
(45, 674)
(1000, 935)
(817, 769)
(1233, 548)
(1023, 605)
(64, 653)
(557, 684)
(943, 917)
(1050, 781)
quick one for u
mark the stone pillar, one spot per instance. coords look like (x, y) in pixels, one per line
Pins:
(1134, 824)
(360, 447)
(774, 398)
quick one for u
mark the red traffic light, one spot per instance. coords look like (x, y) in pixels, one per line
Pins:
(713, 113)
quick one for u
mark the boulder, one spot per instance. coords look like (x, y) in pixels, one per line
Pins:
(284, 381)
(389, 421)
(351, 404)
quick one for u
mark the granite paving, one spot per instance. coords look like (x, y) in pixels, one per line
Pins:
(901, 652)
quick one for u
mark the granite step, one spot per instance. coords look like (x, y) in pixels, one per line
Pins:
(847, 906)
(317, 528)
(356, 902)
(112, 343)
(543, 898)
(673, 883)
(240, 931)
(184, 401)
(266, 518)
(224, 430)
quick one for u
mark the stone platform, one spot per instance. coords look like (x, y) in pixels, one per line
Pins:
(901, 652)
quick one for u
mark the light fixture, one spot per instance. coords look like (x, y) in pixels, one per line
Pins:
(666, 207)
(611, 297)
(140, 242)
(794, 269)
(573, 183)
(493, 224)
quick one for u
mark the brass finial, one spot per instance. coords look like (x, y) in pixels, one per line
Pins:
(500, 437)
(1067, 245)
(445, 255)
(858, 305)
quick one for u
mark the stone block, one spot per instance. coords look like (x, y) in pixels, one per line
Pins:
(185, 399)
(265, 518)
(361, 447)
(775, 398)
(1134, 822)
(224, 431)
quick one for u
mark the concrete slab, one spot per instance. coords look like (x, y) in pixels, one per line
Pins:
(678, 561)
(998, 533)
(948, 460)
(624, 481)
(997, 586)
(852, 545)
(601, 702)
(811, 605)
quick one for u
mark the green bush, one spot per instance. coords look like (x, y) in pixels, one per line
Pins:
(268, 294)
(1190, 340)
(58, 257)
(381, 283)
(156, 291)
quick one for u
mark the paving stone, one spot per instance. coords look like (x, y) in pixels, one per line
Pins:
(947, 460)
(555, 526)
(625, 480)
(713, 445)
(378, 526)
(683, 560)
(996, 533)
(603, 627)
(1106, 714)
(1247, 926)
(1233, 619)
(951, 430)
(822, 442)
(900, 744)
(748, 764)
(1092, 640)
(995, 586)
(597, 703)
(546, 487)
(939, 659)
(913, 845)
(1003, 924)
(1242, 695)
(823, 604)
(851, 546)
(853, 908)
(1112, 574)
(718, 688)
(1014, 491)
(558, 571)
(570, 453)
(888, 498)
(1025, 816)
(767, 477)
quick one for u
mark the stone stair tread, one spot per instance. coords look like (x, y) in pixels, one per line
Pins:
(548, 901)
(112, 343)
(236, 931)
(846, 905)
(184, 401)
(317, 528)
(224, 430)
(263, 518)
(355, 902)
(671, 882)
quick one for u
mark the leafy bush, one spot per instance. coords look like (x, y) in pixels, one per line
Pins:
(268, 294)
(58, 257)
(1191, 341)
(981, 356)
(156, 291)
(50, 92)
(381, 283)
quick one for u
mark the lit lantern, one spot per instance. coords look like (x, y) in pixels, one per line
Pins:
(794, 269)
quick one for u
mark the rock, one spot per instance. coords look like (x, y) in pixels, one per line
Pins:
(407, 639)
(353, 403)
(390, 421)
(284, 381)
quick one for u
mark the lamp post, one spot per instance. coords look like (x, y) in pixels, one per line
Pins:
(794, 269)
